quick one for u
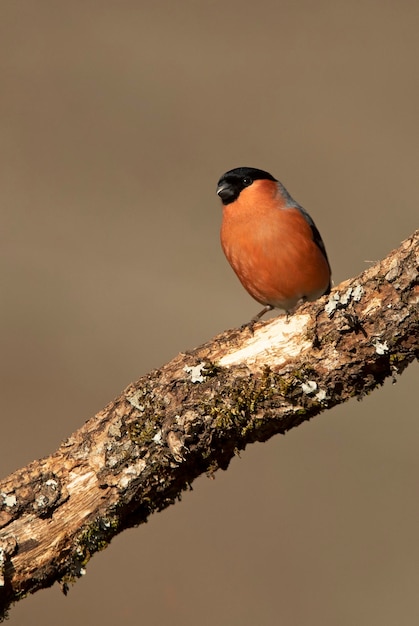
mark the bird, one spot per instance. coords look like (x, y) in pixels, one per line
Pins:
(271, 242)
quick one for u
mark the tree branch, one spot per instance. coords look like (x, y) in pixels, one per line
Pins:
(192, 415)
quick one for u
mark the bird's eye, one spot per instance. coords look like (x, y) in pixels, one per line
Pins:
(247, 181)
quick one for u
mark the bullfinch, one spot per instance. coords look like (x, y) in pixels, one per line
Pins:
(270, 241)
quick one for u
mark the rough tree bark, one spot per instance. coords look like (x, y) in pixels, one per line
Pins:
(192, 415)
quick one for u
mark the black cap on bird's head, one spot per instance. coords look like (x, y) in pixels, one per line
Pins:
(234, 181)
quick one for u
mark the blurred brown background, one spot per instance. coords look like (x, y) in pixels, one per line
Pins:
(117, 118)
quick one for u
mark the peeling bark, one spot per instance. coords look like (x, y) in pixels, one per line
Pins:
(191, 416)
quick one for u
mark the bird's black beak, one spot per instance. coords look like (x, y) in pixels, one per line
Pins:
(221, 188)
(226, 193)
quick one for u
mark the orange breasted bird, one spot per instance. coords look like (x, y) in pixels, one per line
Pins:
(270, 241)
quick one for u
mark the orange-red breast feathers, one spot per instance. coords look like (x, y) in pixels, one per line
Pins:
(270, 241)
